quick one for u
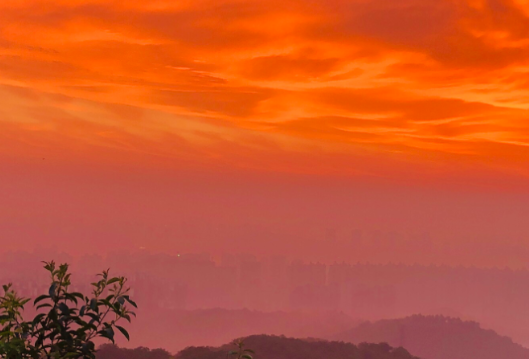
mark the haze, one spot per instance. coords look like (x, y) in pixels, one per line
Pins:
(384, 140)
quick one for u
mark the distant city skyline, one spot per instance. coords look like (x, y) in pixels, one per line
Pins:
(194, 283)
(267, 126)
(288, 167)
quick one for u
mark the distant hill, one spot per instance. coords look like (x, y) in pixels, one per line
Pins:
(110, 351)
(275, 347)
(175, 330)
(437, 337)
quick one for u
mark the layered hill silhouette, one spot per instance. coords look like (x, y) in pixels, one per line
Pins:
(437, 337)
(176, 330)
(279, 347)
(110, 351)
(268, 347)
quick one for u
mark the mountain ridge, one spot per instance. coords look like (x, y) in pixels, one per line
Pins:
(437, 337)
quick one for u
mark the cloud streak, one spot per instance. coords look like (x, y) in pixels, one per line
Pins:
(420, 82)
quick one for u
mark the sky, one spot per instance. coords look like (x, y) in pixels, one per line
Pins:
(267, 126)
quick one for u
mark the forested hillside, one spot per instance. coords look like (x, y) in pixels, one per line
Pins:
(437, 337)
(268, 347)
(109, 351)
(176, 330)
(275, 347)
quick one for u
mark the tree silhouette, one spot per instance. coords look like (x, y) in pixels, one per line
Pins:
(240, 353)
(67, 322)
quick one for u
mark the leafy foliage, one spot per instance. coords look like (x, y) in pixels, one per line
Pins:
(241, 352)
(67, 322)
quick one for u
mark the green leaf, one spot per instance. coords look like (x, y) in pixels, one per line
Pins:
(94, 317)
(127, 298)
(52, 290)
(113, 280)
(108, 333)
(40, 298)
(124, 332)
(93, 305)
(64, 308)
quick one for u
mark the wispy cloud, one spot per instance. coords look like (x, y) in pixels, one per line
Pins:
(363, 81)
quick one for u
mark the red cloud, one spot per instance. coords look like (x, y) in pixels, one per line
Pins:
(418, 78)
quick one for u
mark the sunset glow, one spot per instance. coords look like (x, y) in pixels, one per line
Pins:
(318, 178)
(423, 85)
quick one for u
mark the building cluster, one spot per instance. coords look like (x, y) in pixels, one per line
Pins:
(198, 281)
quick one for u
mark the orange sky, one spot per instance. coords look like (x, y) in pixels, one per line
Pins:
(348, 87)
(217, 121)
